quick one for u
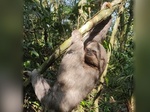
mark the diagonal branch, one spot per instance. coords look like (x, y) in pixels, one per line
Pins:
(111, 44)
(98, 18)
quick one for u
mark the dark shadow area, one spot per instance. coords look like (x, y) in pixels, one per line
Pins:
(98, 33)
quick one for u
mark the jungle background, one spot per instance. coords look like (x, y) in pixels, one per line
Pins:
(48, 23)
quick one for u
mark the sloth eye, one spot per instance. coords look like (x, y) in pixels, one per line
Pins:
(88, 50)
(91, 52)
(94, 52)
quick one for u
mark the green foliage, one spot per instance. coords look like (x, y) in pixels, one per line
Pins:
(119, 83)
(46, 24)
(119, 80)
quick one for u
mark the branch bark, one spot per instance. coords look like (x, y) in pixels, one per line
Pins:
(99, 17)
(111, 44)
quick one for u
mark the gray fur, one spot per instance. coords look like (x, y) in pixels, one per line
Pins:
(76, 78)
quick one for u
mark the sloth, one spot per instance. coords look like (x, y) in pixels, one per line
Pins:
(79, 71)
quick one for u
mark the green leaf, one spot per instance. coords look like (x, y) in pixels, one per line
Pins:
(35, 53)
(106, 80)
(83, 103)
(27, 64)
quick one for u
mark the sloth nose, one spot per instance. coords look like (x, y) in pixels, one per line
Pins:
(89, 52)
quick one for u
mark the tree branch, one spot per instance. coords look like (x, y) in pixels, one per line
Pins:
(99, 17)
(111, 44)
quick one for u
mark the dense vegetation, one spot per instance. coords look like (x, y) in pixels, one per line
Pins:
(48, 23)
